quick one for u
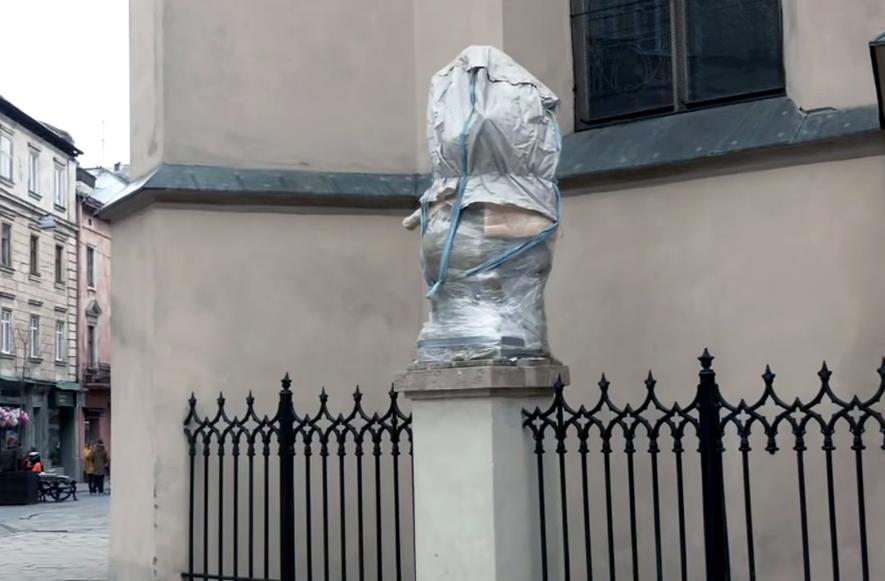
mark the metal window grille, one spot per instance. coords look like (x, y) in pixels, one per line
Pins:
(644, 57)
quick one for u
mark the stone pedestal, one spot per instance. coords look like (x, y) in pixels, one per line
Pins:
(476, 500)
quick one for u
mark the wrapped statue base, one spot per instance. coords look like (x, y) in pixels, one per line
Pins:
(489, 219)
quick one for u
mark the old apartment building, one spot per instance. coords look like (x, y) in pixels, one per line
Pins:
(38, 283)
(95, 188)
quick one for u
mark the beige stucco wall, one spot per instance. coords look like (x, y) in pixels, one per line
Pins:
(208, 300)
(134, 427)
(147, 126)
(774, 266)
(764, 266)
(826, 51)
(279, 87)
(296, 85)
(771, 266)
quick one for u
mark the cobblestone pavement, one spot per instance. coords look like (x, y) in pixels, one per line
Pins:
(48, 541)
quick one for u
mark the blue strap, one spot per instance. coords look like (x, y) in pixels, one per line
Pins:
(518, 249)
(459, 196)
(508, 254)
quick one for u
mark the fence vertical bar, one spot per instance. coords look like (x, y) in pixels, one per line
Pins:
(712, 477)
(286, 419)
(192, 452)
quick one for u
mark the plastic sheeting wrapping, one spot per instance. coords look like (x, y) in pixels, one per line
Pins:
(488, 219)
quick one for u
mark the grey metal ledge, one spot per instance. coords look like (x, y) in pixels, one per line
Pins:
(228, 185)
(707, 133)
(643, 144)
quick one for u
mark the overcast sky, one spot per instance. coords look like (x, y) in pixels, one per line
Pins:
(66, 62)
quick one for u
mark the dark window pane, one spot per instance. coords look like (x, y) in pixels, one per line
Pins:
(622, 57)
(734, 47)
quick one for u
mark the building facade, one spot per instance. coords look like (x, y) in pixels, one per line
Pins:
(38, 285)
(723, 191)
(94, 296)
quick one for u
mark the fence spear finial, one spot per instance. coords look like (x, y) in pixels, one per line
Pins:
(603, 382)
(706, 359)
(768, 375)
(824, 373)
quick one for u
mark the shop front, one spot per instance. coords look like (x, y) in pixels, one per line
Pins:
(42, 417)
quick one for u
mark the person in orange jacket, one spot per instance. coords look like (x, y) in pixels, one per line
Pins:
(89, 466)
(35, 462)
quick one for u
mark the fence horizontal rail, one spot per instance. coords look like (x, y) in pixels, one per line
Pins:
(279, 473)
(709, 419)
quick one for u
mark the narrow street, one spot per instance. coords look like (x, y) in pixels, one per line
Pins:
(48, 541)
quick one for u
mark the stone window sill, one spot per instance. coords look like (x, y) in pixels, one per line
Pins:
(35, 195)
(7, 269)
(61, 363)
(35, 359)
(7, 355)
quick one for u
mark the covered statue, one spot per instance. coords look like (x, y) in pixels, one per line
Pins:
(488, 220)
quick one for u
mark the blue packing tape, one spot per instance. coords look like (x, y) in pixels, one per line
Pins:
(508, 254)
(459, 197)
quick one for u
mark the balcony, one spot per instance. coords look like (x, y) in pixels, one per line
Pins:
(98, 376)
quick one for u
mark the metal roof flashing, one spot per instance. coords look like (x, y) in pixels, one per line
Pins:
(665, 141)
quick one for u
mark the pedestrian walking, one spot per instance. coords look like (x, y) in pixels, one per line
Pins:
(89, 466)
(101, 462)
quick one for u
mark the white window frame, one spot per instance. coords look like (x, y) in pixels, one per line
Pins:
(7, 155)
(33, 171)
(91, 260)
(60, 184)
(6, 331)
(60, 351)
(34, 350)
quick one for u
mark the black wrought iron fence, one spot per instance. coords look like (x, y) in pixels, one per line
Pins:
(255, 518)
(710, 419)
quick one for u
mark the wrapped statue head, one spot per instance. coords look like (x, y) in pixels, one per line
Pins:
(489, 218)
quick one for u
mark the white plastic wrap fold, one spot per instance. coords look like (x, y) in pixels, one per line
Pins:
(488, 219)
(513, 139)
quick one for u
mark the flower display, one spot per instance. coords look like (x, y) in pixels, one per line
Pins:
(13, 417)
